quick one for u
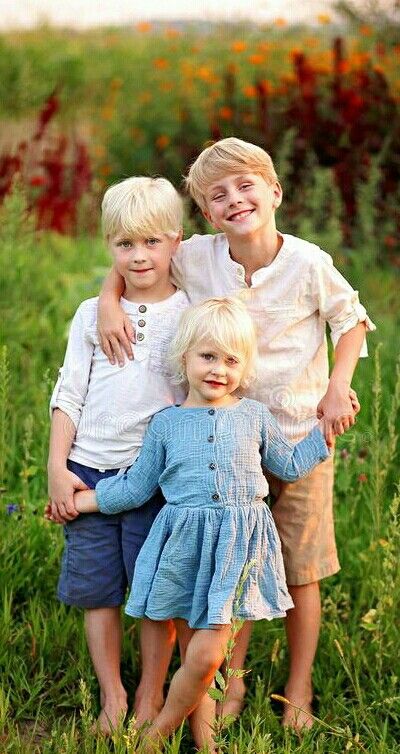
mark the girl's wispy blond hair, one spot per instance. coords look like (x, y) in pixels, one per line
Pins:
(227, 323)
(226, 157)
(142, 207)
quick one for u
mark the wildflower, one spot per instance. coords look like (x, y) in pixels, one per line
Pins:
(256, 59)
(365, 30)
(344, 453)
(160, 63)
(363, 453)
(162, 141)
(280, 22)
(105, 170)
(12, 508)
(204, 73)
(323, 18)
(226, 113)
(172, 33)
(362, 478)
(250, 91)
(166, 86)
(144, 97)
(107, 113)
(143, 27)
(37, 180)
(390, 241)
(116, 83)
(238, 46)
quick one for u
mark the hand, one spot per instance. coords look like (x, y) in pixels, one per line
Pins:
(62, 486)
(328, 432)
(85, 502)
(338, 408)
(115, 330)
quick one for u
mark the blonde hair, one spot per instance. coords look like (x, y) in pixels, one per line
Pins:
(226, 157)
(227, 323)
(142, 207)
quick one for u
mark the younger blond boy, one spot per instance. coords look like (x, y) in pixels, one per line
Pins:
(99, 417)
(293, 291)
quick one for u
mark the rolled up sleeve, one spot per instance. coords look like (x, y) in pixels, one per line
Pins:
(338, 302)
(70, 391)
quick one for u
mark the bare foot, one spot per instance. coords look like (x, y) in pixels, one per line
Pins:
(111, 715)
(235, 700)
(299, 714)
(146, 710)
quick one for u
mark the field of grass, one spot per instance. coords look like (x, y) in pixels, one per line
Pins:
(48, 692)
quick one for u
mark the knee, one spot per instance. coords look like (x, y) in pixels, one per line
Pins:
(204, 662)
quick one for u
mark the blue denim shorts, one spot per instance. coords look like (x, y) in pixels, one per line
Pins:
(100, 551)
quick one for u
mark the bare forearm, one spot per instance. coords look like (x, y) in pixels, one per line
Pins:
(347, 353)
(62, 435)
(113, 286)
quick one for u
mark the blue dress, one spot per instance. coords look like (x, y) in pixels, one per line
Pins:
(207, 462)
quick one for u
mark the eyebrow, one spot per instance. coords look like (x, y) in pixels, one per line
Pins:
(222, 188)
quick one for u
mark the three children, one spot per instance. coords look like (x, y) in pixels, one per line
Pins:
(292, 291)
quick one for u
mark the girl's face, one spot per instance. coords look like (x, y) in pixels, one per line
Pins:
(212, 374)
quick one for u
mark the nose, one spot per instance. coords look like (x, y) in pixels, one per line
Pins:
(218, 367)
(234, 197)
(138, 255)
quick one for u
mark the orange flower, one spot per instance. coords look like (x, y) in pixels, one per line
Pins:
(162, 141)
(105, 170)
(99, 150)
(137, 134)
(204, 73)
(267, 86)
(172, 33)
(323, 18)
(280, 22)
(250, 91)
(248, 119)
(143, 27)
(256, 59)
(264, 46)
(116, 83)
(160, 63)
(238, 46)
(226, 113)
(144, 97)
(107, 113)
(366, 31)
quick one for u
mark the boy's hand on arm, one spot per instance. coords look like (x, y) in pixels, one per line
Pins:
(85, 502)
(62, 486)
(116, 332)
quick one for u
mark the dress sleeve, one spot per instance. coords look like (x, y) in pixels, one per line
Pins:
(285, 460)
(71, 388)
(337, 302)
(137, 485)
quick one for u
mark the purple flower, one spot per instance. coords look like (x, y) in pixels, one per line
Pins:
(12, 508)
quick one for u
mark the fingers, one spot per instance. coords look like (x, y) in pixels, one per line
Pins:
(117, 351)
(105, 346)
(129, 329)
(354, 401)
(126, 344)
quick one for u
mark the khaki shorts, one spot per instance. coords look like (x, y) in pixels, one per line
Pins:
(303, 513)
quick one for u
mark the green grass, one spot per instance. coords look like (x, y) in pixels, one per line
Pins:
(48, 692)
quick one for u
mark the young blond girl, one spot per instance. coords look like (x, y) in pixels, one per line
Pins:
(206, 455)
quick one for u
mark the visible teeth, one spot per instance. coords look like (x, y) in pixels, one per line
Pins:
(239, 215)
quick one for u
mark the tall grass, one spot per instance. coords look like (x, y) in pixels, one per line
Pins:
(48, 692)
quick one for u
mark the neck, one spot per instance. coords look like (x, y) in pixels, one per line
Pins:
(194, 400)
(256, 250)
(159, 292)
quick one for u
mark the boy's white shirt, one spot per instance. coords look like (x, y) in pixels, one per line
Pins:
(110, 405)
(290, 302)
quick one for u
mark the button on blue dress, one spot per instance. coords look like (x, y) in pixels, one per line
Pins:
(215, 521)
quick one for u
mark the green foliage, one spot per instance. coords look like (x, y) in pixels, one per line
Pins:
(44, 706)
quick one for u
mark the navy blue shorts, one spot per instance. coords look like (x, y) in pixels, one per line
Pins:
(100, 551)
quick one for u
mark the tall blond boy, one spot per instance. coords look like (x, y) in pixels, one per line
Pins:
(293, 291)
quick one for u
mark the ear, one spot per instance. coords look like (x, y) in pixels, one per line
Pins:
(277, 194)
(207, 216)
(177, 242)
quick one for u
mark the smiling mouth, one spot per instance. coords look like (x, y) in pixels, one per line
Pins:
(139, 272)
(239, 216)
(215, 383)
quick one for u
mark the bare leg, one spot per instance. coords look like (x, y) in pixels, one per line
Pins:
(157, 639)
(237, 687)
(103, 635)
(202, 718)
(302, 629)
(204, 655)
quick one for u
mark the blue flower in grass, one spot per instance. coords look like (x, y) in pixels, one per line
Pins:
(12, 508)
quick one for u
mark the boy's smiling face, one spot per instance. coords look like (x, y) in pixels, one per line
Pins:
(241, 205)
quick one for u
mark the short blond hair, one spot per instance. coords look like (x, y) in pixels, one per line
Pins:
(226, 157)
(225, 321)
(142, 206)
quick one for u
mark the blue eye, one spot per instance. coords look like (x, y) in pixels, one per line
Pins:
(153, 241)
(207, 356)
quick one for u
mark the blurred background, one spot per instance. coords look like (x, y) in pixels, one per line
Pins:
(92, 92)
